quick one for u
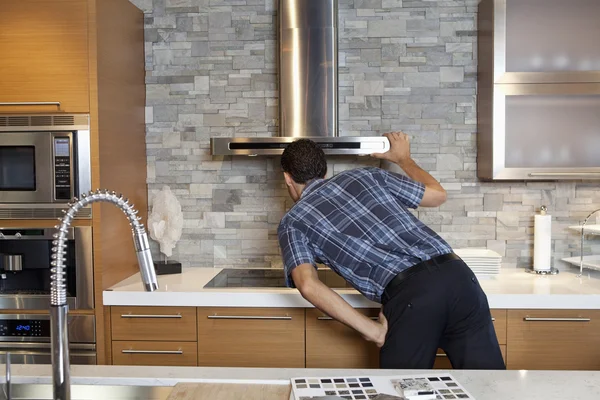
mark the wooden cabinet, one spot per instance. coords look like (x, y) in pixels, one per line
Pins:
(330, 344)
(154, 336)
(554, 339)
(44, 48)
(251, 337)
(182, 354)
(299, 338)
(87, 55)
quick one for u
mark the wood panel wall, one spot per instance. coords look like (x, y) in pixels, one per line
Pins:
(117, 100)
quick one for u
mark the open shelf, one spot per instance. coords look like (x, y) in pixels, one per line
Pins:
(591, 262)
(589, 229)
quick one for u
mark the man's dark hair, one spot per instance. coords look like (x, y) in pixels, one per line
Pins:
(304, 160)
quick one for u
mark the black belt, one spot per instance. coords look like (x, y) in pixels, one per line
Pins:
(390, 289)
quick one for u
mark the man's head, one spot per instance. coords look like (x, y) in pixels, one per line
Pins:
(302, 161)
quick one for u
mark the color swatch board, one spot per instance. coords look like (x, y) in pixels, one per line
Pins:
(409, 387)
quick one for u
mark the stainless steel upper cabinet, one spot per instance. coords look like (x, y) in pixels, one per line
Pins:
(538, 92)
(538, 41)
(539, 132)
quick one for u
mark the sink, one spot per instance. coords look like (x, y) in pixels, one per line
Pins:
(89, 392)
(268, 278)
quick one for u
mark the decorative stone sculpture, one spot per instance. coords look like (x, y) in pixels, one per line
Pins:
(165, 224)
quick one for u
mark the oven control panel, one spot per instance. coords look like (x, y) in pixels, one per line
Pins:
(25, 327)
(62, 168)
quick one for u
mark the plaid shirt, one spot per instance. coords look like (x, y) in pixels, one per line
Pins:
(358, 224)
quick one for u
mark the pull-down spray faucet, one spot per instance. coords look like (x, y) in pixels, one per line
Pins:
(58, 289)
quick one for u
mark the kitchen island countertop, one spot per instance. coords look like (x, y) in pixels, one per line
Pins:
(511, 289)
(483, 385)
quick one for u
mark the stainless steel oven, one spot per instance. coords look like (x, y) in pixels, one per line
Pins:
(27, 338)
(44, 163)
(25, 257)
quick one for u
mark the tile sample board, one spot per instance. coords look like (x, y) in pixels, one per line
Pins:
(410, 387)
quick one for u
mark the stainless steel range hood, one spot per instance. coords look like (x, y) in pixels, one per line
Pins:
(308, 87)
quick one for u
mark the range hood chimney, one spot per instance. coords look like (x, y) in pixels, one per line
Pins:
(308, 87)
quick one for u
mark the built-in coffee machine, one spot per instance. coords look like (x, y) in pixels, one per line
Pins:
(25, 262)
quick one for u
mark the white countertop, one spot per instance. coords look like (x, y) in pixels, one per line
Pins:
(511, 289)
(483, 385)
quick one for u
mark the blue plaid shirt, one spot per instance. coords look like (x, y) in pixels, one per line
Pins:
(358, 224)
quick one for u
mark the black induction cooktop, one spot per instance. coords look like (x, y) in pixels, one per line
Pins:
(267, 278)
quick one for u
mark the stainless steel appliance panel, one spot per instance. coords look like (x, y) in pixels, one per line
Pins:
(45, 161)
(39, 353)
(28, 289)
(27, 338)
(37, 188)
(308, 75)
(35, 328)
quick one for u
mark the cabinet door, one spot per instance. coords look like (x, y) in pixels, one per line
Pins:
(44, 48)
(251, 337)
(183, 354)
(554, 339)
(330, 344)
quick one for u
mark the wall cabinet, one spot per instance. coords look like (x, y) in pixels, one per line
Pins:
(44, 47)
(298, 338)
(534, 86)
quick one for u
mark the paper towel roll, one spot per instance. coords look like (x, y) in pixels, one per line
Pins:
(542, 243)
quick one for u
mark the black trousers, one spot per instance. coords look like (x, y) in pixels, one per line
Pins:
(441, 306)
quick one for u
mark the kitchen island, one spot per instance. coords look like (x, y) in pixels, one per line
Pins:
(483, 385)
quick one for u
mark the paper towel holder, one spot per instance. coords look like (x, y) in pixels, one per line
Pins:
(552, 270)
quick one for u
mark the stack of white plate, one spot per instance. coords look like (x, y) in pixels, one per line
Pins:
(481, 261)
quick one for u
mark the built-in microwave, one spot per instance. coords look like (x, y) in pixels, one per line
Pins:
(44, 163)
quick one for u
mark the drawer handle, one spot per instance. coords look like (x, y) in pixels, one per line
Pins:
(327, 318)
(558, 319)
(441, 355)
(32, 103)
(151, 316)
(279, 318)
(131, 351)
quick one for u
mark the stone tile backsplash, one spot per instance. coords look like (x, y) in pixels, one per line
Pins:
(403, 65)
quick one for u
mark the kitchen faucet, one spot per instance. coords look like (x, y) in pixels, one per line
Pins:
(582, 239)
(58, 291)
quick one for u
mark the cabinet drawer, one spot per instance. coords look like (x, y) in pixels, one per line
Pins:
(443, 362)
(154, 323)
(155, 353)
(251, 337)
(331, 344)
(554, 339)
(499, 318)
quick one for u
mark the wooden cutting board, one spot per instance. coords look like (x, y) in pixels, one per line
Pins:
(229, 391)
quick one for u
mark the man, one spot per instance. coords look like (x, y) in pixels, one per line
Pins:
(358, 224)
